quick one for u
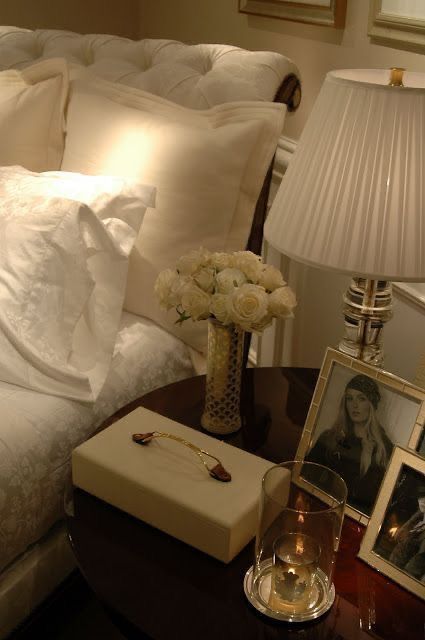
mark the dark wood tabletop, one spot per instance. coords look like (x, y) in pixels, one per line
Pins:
(155, 586)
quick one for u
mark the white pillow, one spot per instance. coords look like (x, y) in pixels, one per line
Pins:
(208, 168)
(62, 280)
(32, 103)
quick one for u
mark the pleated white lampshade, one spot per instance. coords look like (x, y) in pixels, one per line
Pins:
(353, 197)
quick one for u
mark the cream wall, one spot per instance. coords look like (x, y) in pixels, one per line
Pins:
(314, 49)
(84, 16)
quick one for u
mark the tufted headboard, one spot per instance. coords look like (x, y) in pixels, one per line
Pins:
(195, 76)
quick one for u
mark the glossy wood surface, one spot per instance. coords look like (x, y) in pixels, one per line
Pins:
(155, 586)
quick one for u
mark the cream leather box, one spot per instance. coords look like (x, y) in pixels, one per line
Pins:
(165, 484)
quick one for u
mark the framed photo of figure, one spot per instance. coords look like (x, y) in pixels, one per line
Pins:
(398, 23)
(357, 415)
(328, 13)
(394, 542)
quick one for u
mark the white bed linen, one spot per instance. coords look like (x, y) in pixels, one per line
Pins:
(38, 432)
(33, 576)
(63, 272)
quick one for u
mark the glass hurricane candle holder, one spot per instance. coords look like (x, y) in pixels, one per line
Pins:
(300, 519)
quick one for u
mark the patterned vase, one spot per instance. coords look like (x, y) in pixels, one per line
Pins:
(223, 384)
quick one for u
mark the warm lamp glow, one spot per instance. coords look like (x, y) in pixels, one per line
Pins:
(131, 151)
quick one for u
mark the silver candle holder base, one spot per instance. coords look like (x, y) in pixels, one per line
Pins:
(322, 596)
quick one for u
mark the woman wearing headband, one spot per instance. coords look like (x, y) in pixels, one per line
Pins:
(356, 446)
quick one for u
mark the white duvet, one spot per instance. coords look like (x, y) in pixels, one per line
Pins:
(38, 431)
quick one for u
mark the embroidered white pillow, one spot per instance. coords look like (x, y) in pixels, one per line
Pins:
(208, 167)
(32, 103)
(62, 282)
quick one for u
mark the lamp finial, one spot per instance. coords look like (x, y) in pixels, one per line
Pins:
(396, 77)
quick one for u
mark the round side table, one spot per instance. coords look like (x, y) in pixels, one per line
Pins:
(154, 586)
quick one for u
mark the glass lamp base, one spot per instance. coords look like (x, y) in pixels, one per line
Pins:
(367, 307)
(322, 597)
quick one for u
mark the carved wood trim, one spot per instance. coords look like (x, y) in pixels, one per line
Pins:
(289, 93)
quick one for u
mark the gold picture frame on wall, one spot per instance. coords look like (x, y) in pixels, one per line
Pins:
(395, 534)
(328, 13)
(403, 28)
(357, 441)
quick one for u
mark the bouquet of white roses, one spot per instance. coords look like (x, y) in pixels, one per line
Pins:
(235, 288)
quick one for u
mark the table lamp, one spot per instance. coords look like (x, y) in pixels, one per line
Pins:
(353, 197)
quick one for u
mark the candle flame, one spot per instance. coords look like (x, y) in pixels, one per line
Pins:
(393, 526)
(301, 518)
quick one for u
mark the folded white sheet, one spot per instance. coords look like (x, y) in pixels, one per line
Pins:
(63, 271)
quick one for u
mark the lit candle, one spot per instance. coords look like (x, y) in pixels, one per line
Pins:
(295, 564)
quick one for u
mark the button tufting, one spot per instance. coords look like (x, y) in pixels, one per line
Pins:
(37, 50)
(88, 55)
(194, 75)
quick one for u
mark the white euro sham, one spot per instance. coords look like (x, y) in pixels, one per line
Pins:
(208, 167)
(32, 120)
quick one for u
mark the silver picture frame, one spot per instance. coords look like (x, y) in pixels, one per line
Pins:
(395, 416)
(396, 530)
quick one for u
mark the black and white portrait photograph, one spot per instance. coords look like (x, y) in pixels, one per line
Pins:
(358, 419)
(395, 539)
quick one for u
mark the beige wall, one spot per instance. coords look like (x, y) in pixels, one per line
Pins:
(84, 16)
(314, 49)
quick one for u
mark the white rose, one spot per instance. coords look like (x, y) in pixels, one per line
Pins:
(282, 301)
(176, 289)
(248, 305)
(228, 279)
(195, 302)
(205, 279)
(166, 287)
(271, 278)
(218, 308)
(192, 261)
(249, 263)
(258, 327)
(221, 261)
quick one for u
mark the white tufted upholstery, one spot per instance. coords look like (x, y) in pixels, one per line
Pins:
(196, 76)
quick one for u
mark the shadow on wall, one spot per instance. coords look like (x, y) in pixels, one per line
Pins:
(93, 16)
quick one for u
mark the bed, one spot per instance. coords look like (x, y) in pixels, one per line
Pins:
(218, 106)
